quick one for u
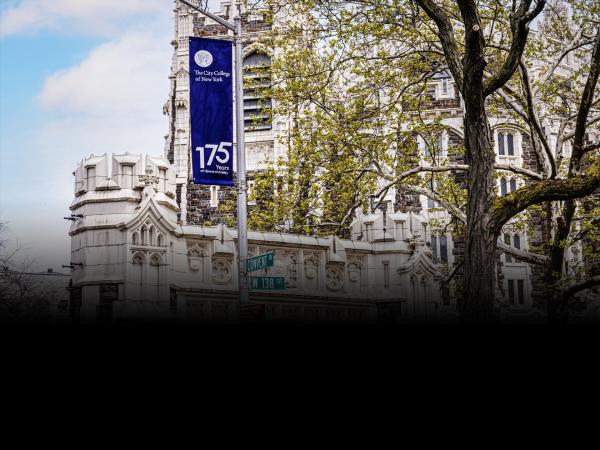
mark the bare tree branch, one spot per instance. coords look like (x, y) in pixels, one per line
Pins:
(520, 30)
(436, 198)
(519, 170)
(447, 38)
(583, 285)
(548, 190)
(522, 255)
(534, 120)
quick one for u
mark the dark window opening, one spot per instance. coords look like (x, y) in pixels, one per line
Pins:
(511, 292)
(507, 241)
(521, 291)
(444, 249)
(510, 144)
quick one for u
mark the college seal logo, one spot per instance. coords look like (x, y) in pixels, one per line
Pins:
(203, 58)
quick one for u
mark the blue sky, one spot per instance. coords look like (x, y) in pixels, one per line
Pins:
(76, 77)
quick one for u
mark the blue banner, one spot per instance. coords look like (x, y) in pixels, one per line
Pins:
(211, 111)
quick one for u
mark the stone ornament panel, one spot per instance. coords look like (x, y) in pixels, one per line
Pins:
(222, 270)
(196, 255)
(312, 261)
(334, 278)
(355, 266)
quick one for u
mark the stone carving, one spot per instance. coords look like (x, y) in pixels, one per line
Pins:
(155, 260)
(291, 272)
(355, 265)
(196, 254)
(149, 179)
(311, 265)
(334, 278)
(222, 270)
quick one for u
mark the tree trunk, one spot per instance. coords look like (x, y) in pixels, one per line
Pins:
(557, 310)
(480, 238)
(480, 244)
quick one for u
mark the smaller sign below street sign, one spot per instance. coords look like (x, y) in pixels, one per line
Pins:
(260, 262)
(267, 283)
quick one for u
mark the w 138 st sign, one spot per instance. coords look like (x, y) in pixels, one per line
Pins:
(211, 111)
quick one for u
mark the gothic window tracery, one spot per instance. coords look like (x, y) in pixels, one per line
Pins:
(257, 81)
(508, 146)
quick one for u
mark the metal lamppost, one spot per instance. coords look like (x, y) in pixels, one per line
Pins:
(242, 227)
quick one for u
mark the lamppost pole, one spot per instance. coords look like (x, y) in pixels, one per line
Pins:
(242, 205)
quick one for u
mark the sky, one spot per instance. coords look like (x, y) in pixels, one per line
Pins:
(76, 77)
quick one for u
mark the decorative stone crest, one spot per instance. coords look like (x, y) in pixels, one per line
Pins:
(196, 254)
(334, 278)
(311, 265)
(149, 179)
(222, 270)
(354, 266)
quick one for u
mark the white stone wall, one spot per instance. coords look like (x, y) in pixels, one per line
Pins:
(130, 239)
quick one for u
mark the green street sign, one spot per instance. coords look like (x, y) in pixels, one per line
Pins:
(260, 262)
(271, 283)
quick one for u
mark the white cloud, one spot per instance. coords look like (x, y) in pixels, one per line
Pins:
(90, 16)
(120, 77)
(110, 102)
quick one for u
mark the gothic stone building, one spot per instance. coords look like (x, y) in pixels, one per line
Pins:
(156, 244)
(203, 205)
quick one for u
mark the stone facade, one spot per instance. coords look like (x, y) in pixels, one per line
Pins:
(134, 260)
(192, 275)
(444, 102)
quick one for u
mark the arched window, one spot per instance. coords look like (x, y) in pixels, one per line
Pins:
(506, 143)
(515, 242)
(257, 103)
(151, 234)
(433, 148)
(508, 147)
(439, 248)
(507, 185)
(159, 240)
(144, 235)
(138, 258)
(444, 88)
(135, 238)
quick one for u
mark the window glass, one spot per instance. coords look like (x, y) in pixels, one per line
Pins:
(517, 240)
(501, 143)
(511, 292)
(510, 144)
(506, 255)
(444, 249)
(521, 291)
(513, 185)
(257, 80)
(434, 247)
(503, 186)
(430, 202)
